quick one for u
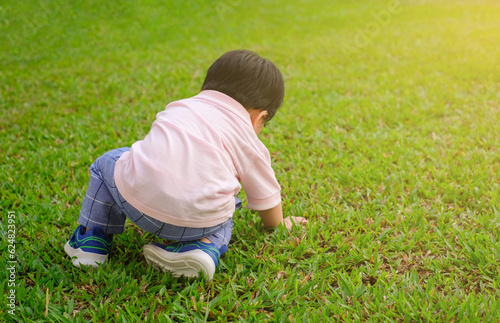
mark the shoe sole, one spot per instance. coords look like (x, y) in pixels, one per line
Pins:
(187, 264)
(80, 257)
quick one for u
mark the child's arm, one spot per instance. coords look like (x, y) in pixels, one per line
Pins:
(273, 217)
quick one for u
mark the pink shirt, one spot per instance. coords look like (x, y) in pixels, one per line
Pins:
(190, 165)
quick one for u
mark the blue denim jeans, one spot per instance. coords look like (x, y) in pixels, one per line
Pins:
(104, 207)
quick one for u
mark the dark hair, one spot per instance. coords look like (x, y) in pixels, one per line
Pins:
(253, 81)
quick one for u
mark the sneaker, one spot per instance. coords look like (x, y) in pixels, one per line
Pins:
(184, 258)
(88, 248)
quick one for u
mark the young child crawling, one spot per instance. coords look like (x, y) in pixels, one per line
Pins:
(180, 182)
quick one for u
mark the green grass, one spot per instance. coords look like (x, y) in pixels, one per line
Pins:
(387, 143)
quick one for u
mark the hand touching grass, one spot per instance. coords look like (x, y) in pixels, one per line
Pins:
(292, 221)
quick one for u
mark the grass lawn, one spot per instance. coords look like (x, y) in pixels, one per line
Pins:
(388, 142)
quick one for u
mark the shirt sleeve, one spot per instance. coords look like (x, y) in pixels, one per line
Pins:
(259, 181)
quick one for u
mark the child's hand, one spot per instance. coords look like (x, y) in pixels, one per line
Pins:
(290, 221)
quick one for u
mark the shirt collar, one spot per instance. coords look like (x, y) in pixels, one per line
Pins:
(226, 102)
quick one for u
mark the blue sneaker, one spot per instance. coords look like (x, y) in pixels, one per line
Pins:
(184, 258)
(88, 248)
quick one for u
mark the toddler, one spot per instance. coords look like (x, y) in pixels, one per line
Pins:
(180, 182)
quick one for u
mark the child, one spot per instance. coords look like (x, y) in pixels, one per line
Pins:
(180, 182)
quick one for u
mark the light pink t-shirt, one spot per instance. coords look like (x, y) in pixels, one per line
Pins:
(189, 167)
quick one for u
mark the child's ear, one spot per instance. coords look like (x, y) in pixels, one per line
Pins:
(258, 118)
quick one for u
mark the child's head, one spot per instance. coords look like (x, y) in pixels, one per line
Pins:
(253, 81)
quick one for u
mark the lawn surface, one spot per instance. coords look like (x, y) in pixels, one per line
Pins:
(387, 142)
